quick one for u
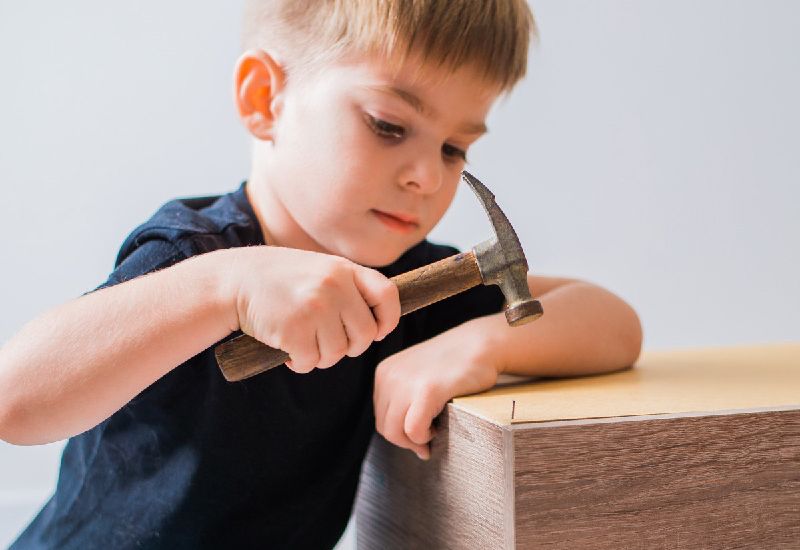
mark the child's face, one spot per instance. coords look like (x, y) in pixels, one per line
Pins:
(355, 145)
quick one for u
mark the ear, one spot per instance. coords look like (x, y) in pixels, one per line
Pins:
(258, 83)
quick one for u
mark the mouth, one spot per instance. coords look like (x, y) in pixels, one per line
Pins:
(397, 221)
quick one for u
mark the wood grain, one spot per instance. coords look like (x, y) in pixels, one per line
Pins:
(684, 482)
(244, 356)
(431, 283)
(719, 481)
(456, 500)
(723, 477)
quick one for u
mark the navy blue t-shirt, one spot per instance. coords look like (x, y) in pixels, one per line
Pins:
(194, 461)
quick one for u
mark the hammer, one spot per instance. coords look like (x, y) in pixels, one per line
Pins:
(497, 261)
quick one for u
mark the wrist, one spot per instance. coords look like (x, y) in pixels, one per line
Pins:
(211, 273)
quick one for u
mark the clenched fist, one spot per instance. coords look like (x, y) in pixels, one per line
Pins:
(316, 307)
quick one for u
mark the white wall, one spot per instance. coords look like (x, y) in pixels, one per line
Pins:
(652, 150)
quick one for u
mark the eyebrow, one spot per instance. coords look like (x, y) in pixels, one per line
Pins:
(476, 128)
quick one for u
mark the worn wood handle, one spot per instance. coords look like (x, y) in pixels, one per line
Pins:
(244, 356)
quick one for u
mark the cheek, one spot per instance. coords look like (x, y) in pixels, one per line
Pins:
(337, 144)
(355, 147)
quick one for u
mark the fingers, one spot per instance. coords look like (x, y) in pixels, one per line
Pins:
(382, 296)
(327, 348)
(394, 432)
(350, 333)
(361, 327)
(332, 341)
(407, 425)
(420, 415)
(340, 311)
(303, 352)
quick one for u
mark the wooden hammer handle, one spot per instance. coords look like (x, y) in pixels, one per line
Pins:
(244, 356)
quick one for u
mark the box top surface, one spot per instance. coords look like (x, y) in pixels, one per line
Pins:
(670, 381)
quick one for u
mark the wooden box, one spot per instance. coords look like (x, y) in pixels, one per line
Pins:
(694, 448)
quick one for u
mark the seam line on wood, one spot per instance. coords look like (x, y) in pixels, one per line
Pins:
(639, 418)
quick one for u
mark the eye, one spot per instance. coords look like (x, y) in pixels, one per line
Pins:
(454, 153)
(385, 129)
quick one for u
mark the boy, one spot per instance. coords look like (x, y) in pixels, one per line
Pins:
(362, 112)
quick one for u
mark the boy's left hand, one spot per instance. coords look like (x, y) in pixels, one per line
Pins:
(413, 385)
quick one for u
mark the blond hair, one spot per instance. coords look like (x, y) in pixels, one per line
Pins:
(490, 36)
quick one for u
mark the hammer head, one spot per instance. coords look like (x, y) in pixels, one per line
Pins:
(502, 262)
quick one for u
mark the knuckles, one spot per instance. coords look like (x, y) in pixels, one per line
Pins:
(335, 274)
(312, 301)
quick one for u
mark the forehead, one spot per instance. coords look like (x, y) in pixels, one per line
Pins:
(430, 90)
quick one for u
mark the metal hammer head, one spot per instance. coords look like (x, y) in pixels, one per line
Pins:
(502, 262)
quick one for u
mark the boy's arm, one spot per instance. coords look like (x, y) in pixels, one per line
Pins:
(75, 365)
(585, 329)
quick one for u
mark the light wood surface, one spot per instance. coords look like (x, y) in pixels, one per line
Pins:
(691, 449)
(674, 381)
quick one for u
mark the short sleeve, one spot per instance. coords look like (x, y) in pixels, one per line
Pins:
(151, 255)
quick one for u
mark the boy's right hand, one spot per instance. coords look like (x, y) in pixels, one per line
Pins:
(316, 307)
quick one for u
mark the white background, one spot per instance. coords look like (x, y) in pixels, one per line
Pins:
(653, 150)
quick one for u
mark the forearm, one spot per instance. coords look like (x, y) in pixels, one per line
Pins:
(75, 365)
(585, 329)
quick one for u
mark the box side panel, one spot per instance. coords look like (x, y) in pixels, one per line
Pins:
(729, 481)
(455, 500)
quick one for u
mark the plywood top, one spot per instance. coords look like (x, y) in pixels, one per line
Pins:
(674, 381)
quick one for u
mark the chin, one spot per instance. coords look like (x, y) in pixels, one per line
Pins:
(377, 258)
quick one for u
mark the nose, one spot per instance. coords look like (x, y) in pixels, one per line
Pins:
(423, 173)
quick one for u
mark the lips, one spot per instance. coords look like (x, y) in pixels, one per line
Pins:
(397, 221)
(405, 218)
